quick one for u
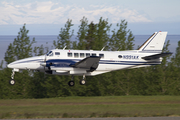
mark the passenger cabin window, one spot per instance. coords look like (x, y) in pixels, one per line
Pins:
(87, 54)
(101, 55)
(57, 53)
(76, 55)
(93, 54)
(119, 56)
(81, 55)
(69, 54)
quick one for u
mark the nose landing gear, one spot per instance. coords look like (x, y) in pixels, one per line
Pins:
(12, 81)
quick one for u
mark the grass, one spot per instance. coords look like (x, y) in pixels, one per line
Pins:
(83, 107)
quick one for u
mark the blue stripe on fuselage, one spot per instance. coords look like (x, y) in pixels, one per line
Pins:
(69, 62)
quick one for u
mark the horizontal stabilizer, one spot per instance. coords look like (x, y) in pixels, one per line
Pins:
(89, 63)
(156, 56)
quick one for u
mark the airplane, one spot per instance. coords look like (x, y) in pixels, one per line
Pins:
(91, 63)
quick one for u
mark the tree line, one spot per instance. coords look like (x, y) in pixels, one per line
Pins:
(162, 79)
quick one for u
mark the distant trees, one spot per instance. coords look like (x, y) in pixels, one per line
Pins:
(64, 36)
(82, 35)
(162, 79)
(122, 38)
(19, 49)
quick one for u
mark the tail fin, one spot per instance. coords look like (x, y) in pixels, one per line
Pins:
(155, 43)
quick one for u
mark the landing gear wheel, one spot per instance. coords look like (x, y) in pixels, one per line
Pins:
(71, 83)
(12, 82)
(82, 82)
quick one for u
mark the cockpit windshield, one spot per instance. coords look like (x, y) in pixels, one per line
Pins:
(50, 53)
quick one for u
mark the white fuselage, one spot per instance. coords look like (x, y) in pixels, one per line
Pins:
(61, 59)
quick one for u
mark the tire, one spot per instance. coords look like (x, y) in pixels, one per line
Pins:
(12, 82)
(82, 82)
(71, 83)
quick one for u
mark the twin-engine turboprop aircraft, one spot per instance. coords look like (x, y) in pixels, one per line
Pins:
(90, 63)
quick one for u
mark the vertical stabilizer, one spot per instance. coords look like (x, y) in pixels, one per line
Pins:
(155, 43)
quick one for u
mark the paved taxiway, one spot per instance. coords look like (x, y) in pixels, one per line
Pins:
(125, 118)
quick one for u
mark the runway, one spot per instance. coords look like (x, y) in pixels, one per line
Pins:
(121, 118)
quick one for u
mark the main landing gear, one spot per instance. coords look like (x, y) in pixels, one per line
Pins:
(82, 82)
(12, 81)
(71, 83)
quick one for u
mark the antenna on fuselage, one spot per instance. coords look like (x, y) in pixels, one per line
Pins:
(103, 48)
(64, 47)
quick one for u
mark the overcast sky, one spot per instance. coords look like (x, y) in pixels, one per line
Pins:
(44, 17)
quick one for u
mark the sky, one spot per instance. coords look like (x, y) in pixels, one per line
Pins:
(46, 17)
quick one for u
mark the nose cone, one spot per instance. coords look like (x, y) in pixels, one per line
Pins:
(16, 64)
(28, 63)
(10, 65)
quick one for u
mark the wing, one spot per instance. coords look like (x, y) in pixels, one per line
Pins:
(156, 56)
(89, 63)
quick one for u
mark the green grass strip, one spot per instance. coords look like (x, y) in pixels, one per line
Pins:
(83, 107)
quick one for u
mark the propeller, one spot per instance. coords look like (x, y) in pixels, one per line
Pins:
(43, 63)
(46, 64)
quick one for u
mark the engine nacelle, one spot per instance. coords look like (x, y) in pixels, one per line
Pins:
(53, 72)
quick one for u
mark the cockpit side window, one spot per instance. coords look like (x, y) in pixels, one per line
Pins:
(50, 53)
